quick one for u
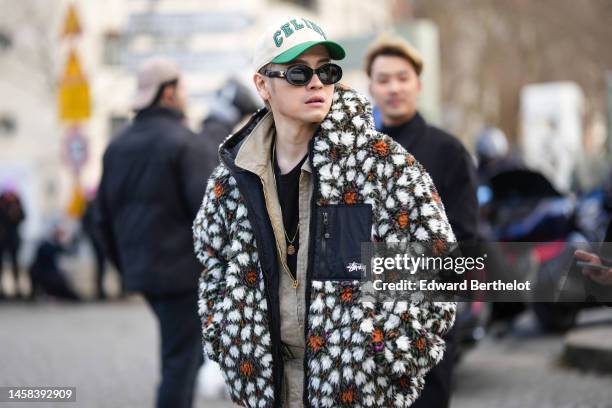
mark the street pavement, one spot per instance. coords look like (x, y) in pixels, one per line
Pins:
(109, 352)
(525, 369)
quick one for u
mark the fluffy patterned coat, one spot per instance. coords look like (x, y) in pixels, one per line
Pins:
(358, 354)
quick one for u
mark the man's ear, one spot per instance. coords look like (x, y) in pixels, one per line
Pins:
(261, 86)
(168, 95)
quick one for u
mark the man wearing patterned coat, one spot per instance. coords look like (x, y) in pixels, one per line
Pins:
(299, 188)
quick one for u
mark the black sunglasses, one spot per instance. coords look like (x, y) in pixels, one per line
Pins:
(301, 74)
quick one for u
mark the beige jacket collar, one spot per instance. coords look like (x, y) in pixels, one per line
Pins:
(254, 154)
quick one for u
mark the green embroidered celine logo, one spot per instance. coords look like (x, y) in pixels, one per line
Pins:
(286, 30)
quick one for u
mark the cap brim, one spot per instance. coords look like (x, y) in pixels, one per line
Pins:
(336, 52)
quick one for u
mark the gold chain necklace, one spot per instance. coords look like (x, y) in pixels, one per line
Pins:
(290, 247)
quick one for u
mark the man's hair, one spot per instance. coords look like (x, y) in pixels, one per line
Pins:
(262, 71)
(393, 46)
(160, 92)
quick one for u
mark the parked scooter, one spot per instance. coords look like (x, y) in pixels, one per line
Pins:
(525, 207)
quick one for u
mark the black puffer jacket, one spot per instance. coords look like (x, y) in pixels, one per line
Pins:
(451, 168)
(149, 194)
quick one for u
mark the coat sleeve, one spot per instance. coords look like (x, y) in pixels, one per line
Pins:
(212, 245)
(460, 197)
(102, 218)
(410, 334)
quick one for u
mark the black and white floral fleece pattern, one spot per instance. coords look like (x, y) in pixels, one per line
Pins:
(358, 354)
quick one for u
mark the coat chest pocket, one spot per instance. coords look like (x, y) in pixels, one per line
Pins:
(341, 229)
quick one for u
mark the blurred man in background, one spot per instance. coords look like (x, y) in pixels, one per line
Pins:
(233, 102)
(146, 205)
(11, 216)
(394, 68)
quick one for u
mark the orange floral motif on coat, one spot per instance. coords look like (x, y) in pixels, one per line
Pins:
(251, 277)
(218, 190)
(403, 220)
(246, 369)
(350, 197)
(420, 343)
(347, 397)
(315, 343)
(439, 247)
(381, 147)
(377, 336)
(346, 295)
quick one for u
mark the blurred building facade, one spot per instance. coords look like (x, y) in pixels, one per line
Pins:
(211, 41)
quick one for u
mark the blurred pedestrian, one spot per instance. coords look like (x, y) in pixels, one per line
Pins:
(494, 155)
(300, 187)
(491, 151)
(232, 103)
(46, 275)
(92, 234)
(394, 68)
(145, 208)
(11, 217)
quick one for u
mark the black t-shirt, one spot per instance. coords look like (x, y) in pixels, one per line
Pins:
(288, 186)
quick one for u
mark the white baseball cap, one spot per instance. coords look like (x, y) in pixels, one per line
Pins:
(153, 73)
(285, 41)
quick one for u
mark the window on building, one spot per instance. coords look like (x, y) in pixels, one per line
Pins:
(113, 45)
(5, 41)
(8, 125)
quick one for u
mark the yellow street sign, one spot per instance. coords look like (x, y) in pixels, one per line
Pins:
(76, 206)
(72, 26)
(73, 96)
(73, 66)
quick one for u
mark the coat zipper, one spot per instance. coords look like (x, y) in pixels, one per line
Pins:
(326, 234)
